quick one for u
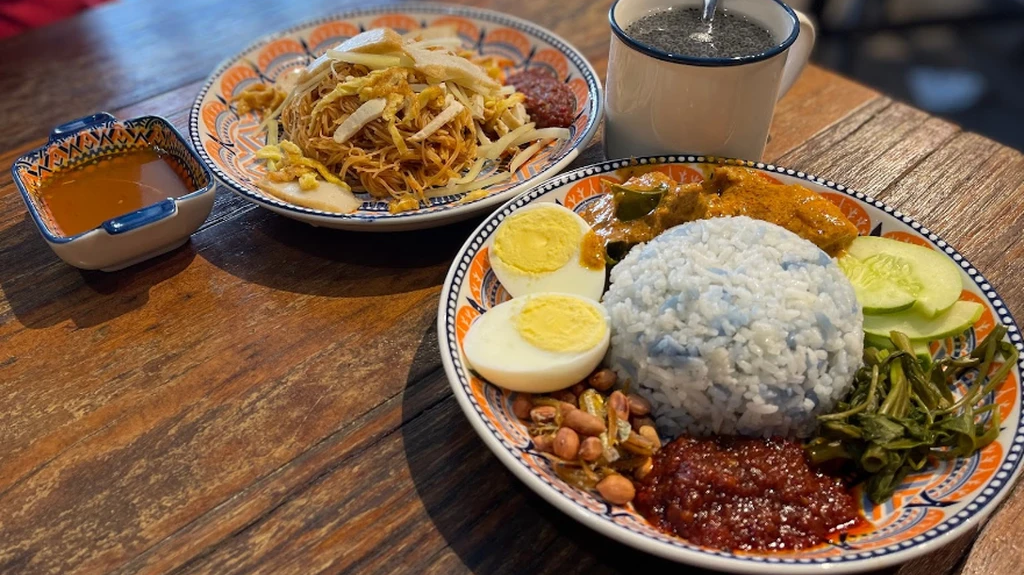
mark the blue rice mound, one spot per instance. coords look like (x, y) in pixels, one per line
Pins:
(734, 326)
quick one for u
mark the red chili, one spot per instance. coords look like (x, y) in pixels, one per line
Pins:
(744, 494)
(549, 101)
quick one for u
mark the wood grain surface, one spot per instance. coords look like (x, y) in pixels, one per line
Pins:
(269, 398)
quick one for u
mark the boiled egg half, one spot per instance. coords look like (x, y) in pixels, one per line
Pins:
(548, 248)
(538, 342)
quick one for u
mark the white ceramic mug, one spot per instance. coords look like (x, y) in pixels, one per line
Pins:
(660, 103)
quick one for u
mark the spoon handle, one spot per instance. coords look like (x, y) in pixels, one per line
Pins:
(709, 11)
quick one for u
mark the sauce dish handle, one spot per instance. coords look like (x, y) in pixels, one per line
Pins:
(142, 217)
(80, 124)
(799, 53)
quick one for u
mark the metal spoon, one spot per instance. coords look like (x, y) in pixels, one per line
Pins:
(709, 11)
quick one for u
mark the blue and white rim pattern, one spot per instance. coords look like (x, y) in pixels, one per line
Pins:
(975, 512)
(594, 107)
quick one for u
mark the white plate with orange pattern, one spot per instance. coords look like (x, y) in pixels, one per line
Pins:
(930, 508)
(227, 142)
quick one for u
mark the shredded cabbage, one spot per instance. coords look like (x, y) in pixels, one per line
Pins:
(471, 174)
(467, 187)
(543, 133)
(524, 155)
(493, 151)
(476, 111)
(272, 134)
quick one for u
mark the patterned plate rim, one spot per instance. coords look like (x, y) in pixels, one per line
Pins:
(992, 494)
(595, 110)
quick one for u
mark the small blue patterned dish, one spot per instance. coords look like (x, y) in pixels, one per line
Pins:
(136, 236)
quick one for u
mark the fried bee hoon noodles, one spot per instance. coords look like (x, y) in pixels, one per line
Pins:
(402, 118)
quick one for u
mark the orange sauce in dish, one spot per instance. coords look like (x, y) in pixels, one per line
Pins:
(81, 198)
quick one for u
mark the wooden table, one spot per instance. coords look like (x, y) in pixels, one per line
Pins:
(269, 398)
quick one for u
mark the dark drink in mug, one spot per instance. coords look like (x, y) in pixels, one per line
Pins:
(677, 85)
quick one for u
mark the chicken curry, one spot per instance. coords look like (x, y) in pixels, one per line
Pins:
(646, 205)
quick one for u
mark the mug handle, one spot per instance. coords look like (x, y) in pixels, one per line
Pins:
(799, 53)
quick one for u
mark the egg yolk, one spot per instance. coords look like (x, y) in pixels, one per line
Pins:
(560, 323)
(538, 241)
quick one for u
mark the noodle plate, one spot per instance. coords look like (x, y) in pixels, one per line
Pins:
(402, 118)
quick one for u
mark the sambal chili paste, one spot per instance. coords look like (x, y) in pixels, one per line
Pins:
(549, 101)
(747, 494)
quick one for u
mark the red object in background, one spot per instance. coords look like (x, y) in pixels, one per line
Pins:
(17, 16)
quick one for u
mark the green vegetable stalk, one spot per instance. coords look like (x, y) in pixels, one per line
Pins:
(901, 412)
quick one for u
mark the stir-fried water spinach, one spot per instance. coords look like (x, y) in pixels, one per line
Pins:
(901, 412)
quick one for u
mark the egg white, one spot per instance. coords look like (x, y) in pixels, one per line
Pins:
(495, 349)
(572, 278)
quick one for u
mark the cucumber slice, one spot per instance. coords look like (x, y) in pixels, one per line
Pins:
(960, 316)
(929, 276)
(921, 347)
(872, 279)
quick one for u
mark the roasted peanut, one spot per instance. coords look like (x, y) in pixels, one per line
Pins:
(578, 388)
(602, 379)
(567, 443)
(543, 443)
(591, 449)
(639, 422)
(543, 414)
(522, 405)
(617, 401)
(565, 395)
(638, 444)
(639, 406)
(645, 469)
(583, 422)
(564, 408)
(616, 489)
(649, 433)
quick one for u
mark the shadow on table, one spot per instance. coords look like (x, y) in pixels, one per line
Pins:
(43, 291)
(490, 520)
(284, 254)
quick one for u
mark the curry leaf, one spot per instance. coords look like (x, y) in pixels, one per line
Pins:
(634, 203)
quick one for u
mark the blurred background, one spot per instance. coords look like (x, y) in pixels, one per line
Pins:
(962, 60)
